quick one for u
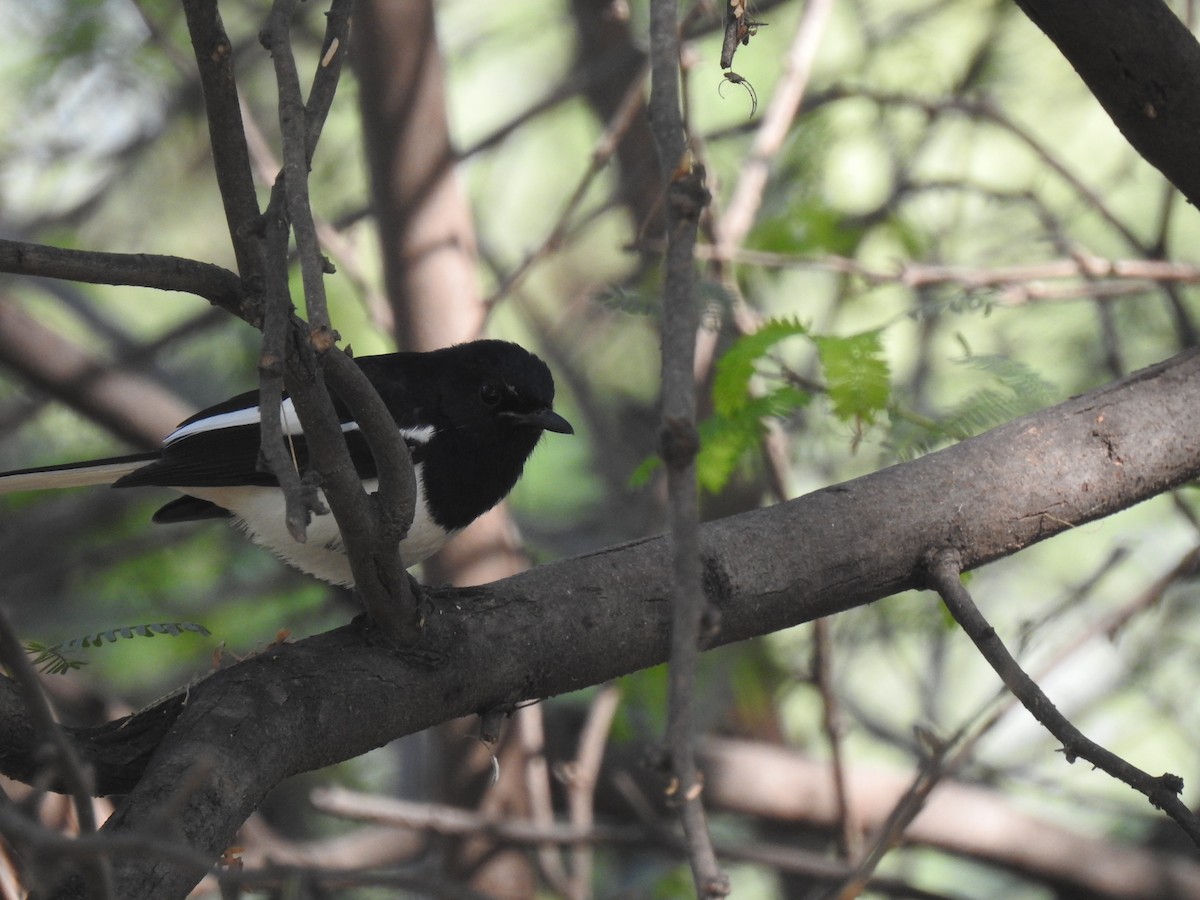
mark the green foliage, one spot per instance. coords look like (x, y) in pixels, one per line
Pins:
(676, 882)
(1014, 390)
(808, 228)
(731, 385)
(643, 709)
(51, 660)
(857, 379)
(624, 299)
(726, 438)
(856, 375)
(736, 426)
(54, 659)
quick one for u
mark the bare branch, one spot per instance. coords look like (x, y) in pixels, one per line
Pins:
(293, 125)
(299, 494)
(1163, 791)
(231, 160)
(831, 721)
(1138, 62)
(371, 527)
(167, 273)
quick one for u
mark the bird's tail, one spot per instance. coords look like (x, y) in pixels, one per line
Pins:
(98, 471)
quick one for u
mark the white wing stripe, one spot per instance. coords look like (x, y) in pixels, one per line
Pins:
(289, 420)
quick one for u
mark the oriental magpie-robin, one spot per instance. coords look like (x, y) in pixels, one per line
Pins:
(471, 415)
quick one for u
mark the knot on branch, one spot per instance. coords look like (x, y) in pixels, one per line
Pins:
(687, 194)
(323, 338)
(678, 442)
(1168, 784)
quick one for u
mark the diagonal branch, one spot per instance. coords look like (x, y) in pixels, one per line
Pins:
(1163, 791)
(231, 158)
(1140, 62)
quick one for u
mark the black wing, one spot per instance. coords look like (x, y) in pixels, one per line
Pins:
(229, 455)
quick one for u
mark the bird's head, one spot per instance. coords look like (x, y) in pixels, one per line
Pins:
(500, 386)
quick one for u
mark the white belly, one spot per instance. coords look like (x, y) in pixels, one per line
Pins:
(259, 512)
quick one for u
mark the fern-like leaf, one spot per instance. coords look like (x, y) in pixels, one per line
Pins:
(725, 439)
(856, 374)
(55, 660)
(731, 383)
(1015, 391)
(50, 660)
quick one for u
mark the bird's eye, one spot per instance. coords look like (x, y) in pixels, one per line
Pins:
(489, 394)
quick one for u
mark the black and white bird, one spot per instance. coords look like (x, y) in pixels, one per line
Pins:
(470, 414)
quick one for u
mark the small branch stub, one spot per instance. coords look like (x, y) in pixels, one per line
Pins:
(678, 442)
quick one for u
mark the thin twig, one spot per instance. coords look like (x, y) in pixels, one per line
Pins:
(341, 250)
(293, 125)
(531, 733)
(372, 527)
(944, 568)
(602, 152)
(449, 820)
(831, 720)
(580, 777)
(328, 73)
(390, 510)
(275, 452)
(907, 808)
(231, 160)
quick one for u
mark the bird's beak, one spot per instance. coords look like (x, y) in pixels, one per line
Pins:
(546, 419)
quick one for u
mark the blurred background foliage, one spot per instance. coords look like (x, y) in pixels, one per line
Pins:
(915, 273)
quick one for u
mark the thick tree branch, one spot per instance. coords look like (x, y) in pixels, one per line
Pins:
(1140, 62)
(337, 695)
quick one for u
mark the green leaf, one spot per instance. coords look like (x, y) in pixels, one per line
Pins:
(731, 384)
(641, 475)
(856, 374)
(726, 438)
(1015, 390)
(50, 661)
(736, 426)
